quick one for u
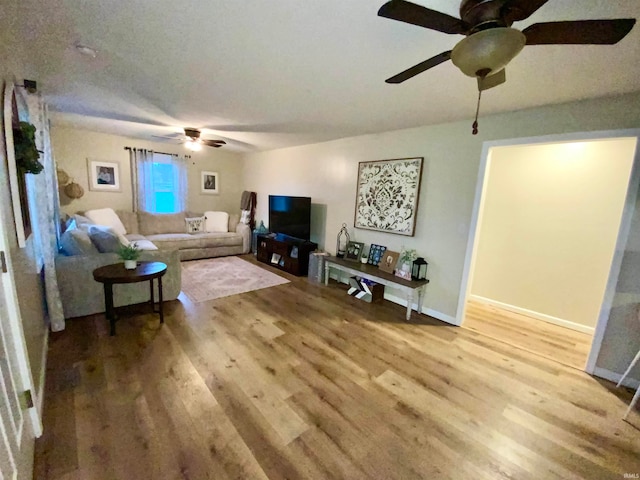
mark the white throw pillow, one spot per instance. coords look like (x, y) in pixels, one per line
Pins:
(107, 217)
(145, 245)
(216, 222)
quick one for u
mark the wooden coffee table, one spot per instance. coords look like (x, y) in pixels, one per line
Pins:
(116, 273)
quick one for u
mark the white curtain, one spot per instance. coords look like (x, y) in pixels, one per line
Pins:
(180, 164)
(141, 178)
(43, 190)
(143, 183)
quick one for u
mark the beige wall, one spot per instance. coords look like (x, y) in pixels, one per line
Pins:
(549, 226)
(72, 147)
(327, 172)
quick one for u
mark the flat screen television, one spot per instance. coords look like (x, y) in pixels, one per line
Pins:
(290, 216)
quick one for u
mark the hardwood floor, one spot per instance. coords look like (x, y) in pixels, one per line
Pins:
(563, 345)
(303, 381)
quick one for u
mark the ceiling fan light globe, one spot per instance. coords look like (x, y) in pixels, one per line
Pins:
(490, 50)
(193, 146)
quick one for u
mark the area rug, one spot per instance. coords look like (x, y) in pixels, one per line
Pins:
(212, 278)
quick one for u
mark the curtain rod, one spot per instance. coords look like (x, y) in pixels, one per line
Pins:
(161, 153)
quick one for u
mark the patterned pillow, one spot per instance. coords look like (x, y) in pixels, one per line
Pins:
(195, 224)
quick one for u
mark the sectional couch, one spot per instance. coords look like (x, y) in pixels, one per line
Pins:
(166, 240)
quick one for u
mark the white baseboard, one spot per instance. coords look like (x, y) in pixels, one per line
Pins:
(403, 301)
(427, 311)
(537, 315)
(615, 377)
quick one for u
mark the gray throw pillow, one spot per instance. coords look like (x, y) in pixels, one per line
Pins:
(104, 238)
(81, 220)
(76, 242)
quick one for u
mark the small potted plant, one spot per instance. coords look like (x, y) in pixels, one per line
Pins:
(25, 149)
(406, 257)
(129, 253)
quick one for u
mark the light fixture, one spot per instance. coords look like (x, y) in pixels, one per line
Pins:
(484, 55)
(488, 51)
(86, 51)
(193, 145)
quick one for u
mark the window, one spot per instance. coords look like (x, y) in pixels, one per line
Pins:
(165, 179)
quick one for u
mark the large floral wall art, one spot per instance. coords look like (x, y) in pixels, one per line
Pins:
(387, 197)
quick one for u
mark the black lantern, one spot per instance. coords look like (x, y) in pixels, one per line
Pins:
(419, 269)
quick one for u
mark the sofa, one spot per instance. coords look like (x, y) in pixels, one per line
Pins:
(168, 232)
(164, 238)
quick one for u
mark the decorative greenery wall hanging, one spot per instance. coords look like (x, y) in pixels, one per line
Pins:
(24, 141)
(387, 195)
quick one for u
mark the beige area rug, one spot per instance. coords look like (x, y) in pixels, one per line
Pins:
(212, 278)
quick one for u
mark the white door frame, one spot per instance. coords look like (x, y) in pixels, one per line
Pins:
(14, 434)
(623, 233)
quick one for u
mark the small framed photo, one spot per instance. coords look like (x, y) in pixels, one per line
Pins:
(389, 261)
(354, 250)
(275, 258)
(375, 254)
(209, 183)
(103, 176)
(406, 274)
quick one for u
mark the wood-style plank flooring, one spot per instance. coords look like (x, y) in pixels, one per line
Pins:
(563, 345)
(301, 381)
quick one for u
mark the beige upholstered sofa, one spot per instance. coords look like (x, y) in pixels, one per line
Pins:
(82, 295)
(168, 232)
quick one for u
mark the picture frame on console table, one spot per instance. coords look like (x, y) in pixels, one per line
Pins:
(354, 250)
(375, 254)
(389, 261)
(387, 195)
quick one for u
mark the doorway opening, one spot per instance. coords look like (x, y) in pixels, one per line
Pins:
(547, 219)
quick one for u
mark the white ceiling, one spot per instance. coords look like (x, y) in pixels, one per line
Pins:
(266, 74)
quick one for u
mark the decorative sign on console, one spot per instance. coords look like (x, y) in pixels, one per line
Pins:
(387, 196)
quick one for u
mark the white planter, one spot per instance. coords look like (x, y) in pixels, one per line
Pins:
(130, 264)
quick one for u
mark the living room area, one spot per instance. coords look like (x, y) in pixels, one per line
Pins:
(289, 377)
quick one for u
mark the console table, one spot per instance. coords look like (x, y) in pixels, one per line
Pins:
(410, 287)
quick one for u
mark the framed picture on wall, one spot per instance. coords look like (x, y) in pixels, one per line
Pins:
(387, 195)
(209, 182)
(104, 176)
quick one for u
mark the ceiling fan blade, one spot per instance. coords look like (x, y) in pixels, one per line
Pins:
(408, 12)
(492, 80)
(516, 10)
(213, 143)
(579, 32)
(419, 68)
(168, 139)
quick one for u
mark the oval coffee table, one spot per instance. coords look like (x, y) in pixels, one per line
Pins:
(116, 273)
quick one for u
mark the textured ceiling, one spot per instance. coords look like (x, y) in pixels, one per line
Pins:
(266, 74)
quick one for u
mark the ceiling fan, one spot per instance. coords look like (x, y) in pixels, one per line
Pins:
(192, 140)
(490, 42)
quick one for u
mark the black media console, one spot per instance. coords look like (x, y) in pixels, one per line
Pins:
(286, 253)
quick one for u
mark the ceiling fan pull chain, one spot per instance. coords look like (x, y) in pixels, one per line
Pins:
(475, 123)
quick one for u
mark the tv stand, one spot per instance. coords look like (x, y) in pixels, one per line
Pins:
(286, 253)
